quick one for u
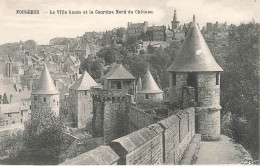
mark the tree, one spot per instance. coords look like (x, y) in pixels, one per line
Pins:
(136, 65)
(30, 45)
(110, 55)
(240, 85)
(41, 142)
(93, 67)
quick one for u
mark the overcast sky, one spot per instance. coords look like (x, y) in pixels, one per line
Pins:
(45, 26)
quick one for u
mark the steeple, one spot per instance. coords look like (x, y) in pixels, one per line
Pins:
(175, 16)
(194, 55)
(85, 82)
(175, 22)
(45, 84)
(149, 85)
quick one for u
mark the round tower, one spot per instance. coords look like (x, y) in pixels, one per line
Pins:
(195, 67)
(45, 96)
(148, 91)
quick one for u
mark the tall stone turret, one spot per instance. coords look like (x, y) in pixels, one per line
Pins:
(45, 96)
(80, 100)
(175, 22)
(195, 67)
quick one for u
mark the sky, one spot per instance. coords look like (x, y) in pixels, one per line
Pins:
(44, 26)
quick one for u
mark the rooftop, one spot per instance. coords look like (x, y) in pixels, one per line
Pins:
(45, 83)
(149, 85)
(118, 72)
(85, 82)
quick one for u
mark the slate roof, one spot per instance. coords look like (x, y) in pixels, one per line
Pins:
(118, 72)
(149, 85)
(85, 82)
(194, 55)
(45, 83)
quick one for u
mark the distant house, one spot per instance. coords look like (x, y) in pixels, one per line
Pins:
(136, 29)
(156, 33)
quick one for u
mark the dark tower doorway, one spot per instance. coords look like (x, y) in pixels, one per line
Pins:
(192, 80)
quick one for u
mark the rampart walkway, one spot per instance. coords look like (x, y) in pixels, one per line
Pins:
(221, 152)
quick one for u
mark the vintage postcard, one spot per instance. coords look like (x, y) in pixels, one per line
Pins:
(102, 82)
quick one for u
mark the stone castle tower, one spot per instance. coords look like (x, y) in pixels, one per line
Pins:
(196, 68)
(45, 96)
(175, 22)
(110, 104)
(80, 100)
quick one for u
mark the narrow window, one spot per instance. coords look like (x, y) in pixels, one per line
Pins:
(217, 78)
(44, 99)
(174, 79)
(147, 96)
(35, 97)
(86, 92)
(118, 85)
(53, 100)
(113, 99)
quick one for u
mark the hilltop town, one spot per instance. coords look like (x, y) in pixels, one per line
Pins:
(122, 93)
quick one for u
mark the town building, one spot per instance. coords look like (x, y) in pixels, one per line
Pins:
(136, 29)
(156, 33)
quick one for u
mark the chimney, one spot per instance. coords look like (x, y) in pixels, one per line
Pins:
(11, 98)
(194, 19)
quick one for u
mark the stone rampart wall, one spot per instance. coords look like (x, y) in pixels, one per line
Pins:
(163, 142)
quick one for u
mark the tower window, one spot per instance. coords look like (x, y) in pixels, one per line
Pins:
(191, 79)
(174, 79)
(44, 99)
(118, 85)
(217, 78)
(147, 96)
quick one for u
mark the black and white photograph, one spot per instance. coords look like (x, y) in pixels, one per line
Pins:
(129, 82)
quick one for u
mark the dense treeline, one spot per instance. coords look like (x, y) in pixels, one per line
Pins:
(240, 87)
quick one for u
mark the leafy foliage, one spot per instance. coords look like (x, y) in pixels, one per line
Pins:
(110, 55)
(41, 142)
(240, 85)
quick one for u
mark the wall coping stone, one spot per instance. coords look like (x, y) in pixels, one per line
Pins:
(102, 155)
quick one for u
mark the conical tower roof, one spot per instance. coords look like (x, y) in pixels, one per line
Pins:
(45, 84)
(118, 72)
(149, 85)
(194, 55)
(85, 82)
(139, 84)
